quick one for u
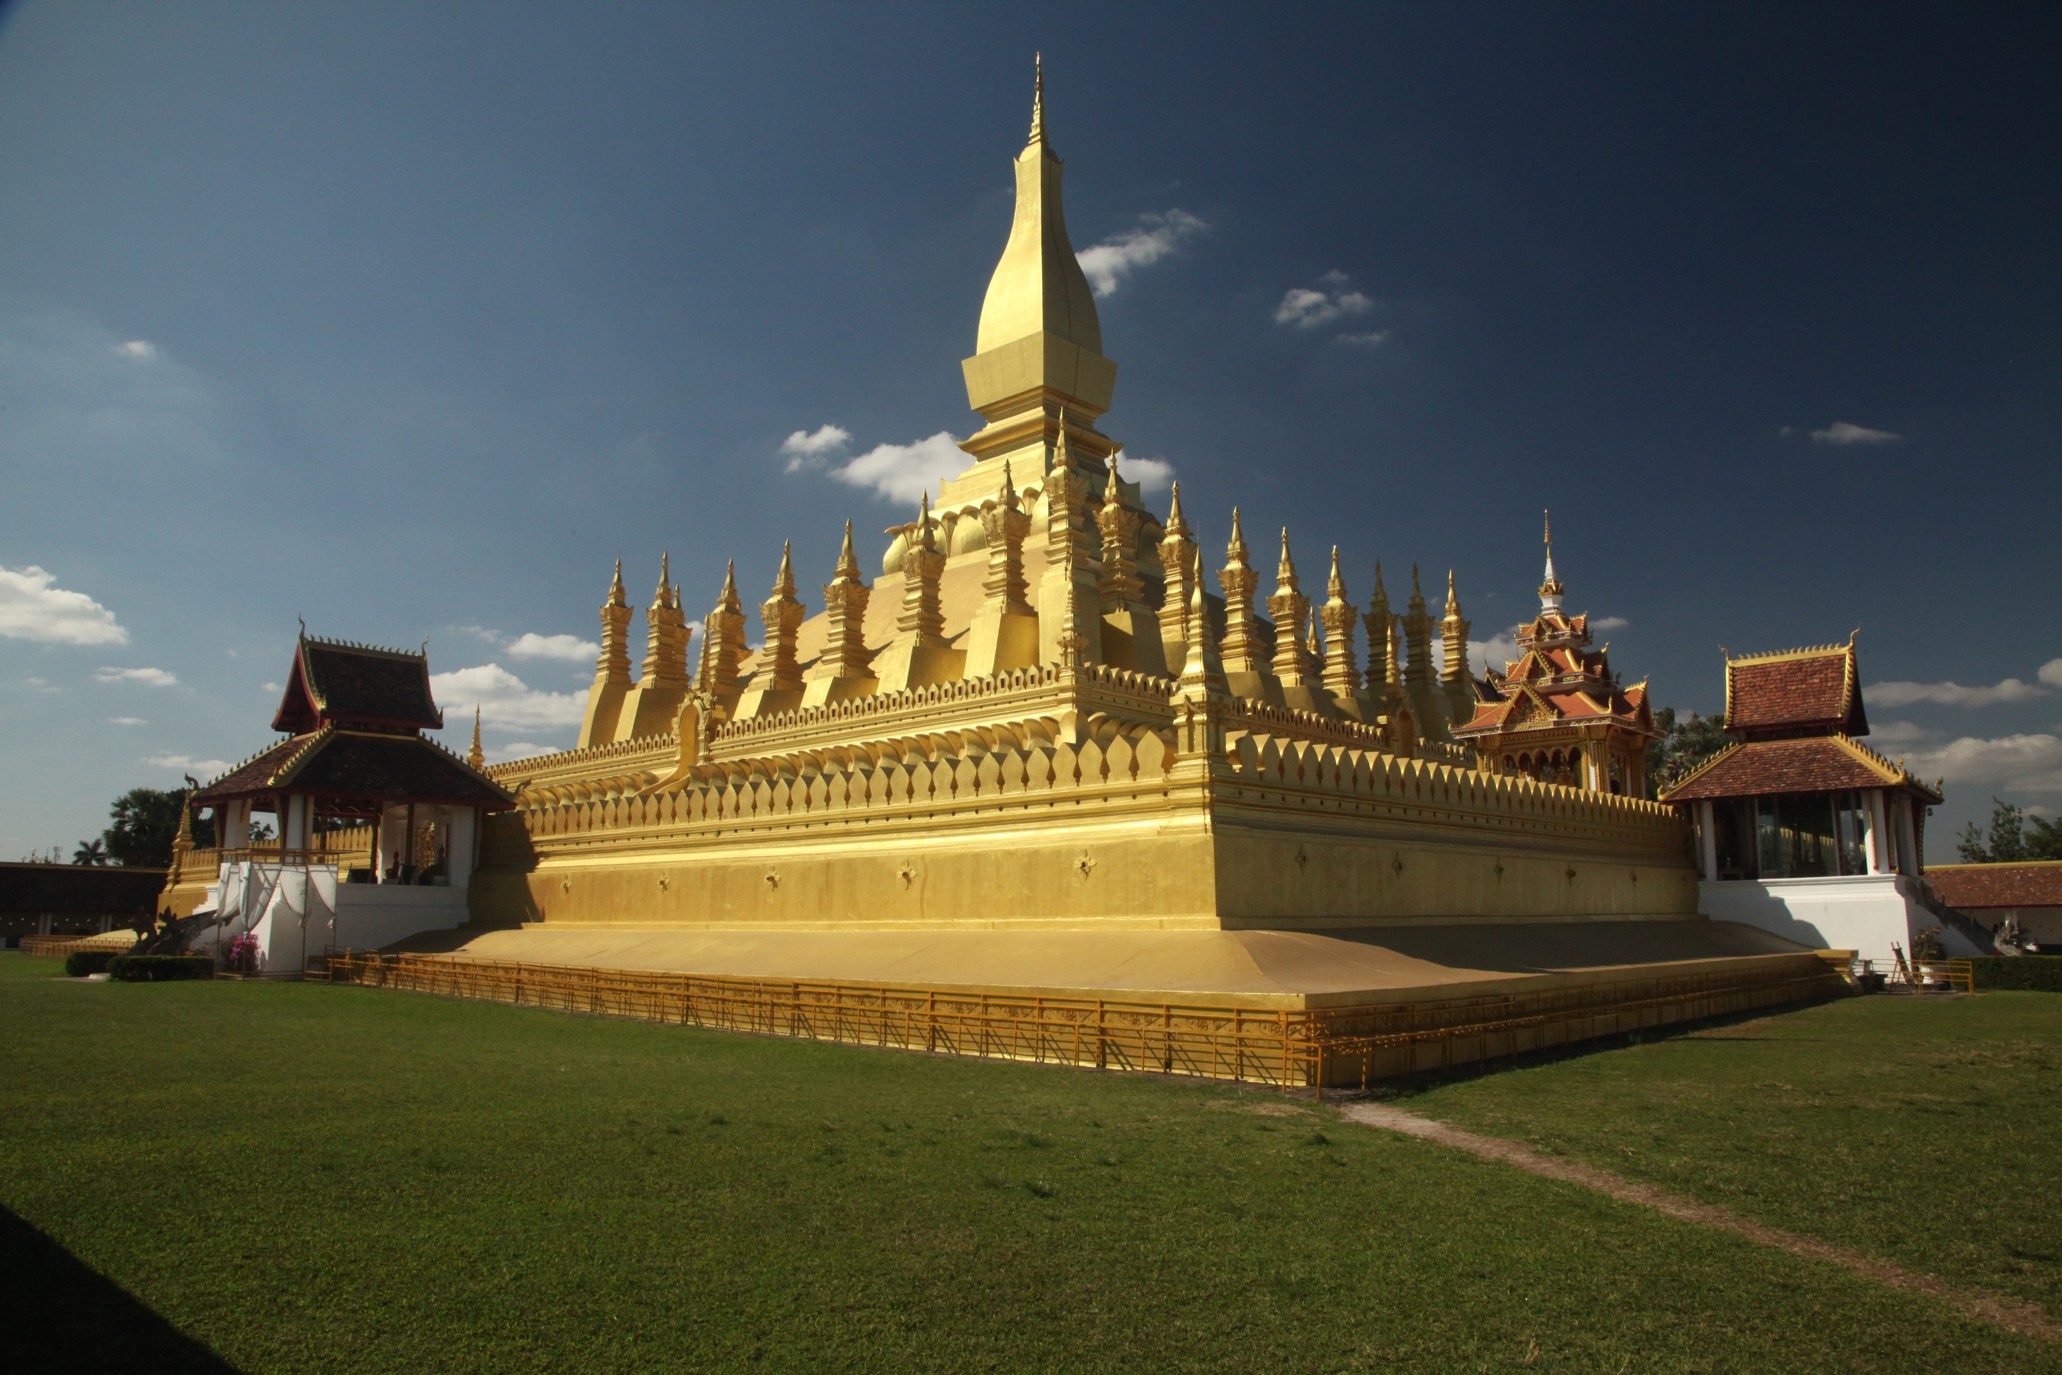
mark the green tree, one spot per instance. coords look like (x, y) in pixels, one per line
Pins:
(91, 852)
(2043, 838)
(2013, 836)
(1684, 746)
(146, 821)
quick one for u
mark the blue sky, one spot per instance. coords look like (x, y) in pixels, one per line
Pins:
(409, 319)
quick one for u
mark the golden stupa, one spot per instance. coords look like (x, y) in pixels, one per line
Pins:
(1036, 753)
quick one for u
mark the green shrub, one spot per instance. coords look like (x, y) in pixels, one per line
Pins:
(80, 963)
(141, 969)
(2038, 973)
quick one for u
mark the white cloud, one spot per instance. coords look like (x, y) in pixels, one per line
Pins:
(518, 749)
(203, 769)
(1156, 236)
(1483, 655)
(570, 648)
(1495, 652)
(503, 699)
(1151, 474)
(1900, 694)
(904, 472)
(1310, 307)
(1369, 339)
(89, 402)
(2010, 764)
(150, 677)
(1897, 733)
(270, 687)
(1609, 623)
(810, 449)
(127, 721)
(2051, 673)
(1841, 432)
(41, 684)
(33, 607)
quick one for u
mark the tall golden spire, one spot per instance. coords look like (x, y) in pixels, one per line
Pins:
(476, 756)
(1039, 334)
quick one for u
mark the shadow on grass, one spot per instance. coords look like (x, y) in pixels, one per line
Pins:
(63, 1316)
(1410, 1086)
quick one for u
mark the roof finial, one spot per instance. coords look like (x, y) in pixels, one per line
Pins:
(848, 560)
(616, 595)
(1037, 98)
(1237, 551)
(784, 581)
(476, 756)
(1008, 495)
(1550, 588)
(1114, 490)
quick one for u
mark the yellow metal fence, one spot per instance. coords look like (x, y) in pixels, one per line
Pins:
(1282, 1048)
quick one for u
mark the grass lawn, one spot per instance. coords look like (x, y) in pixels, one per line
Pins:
(300, 1177)
(1927, 1131)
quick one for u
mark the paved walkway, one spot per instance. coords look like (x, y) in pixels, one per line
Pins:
(2012, 1314)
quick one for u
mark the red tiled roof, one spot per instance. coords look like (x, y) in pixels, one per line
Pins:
(333, 683)
(1817, 687)
(1815, 764)
(335, 763)
(1977, 886)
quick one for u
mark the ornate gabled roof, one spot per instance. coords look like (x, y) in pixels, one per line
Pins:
(1516, 704)
(336, 682)
(1795, 690)
(360, 765)
(1806, 764)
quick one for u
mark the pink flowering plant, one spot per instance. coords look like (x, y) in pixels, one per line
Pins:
(243, 954)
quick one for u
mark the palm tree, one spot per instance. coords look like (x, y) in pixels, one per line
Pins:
(93, 852)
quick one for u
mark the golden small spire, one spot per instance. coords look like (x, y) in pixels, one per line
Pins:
(1008, 495)
(784, 581)
(476, 756)
(924, 524)
(848, 560)
(1313, 641)
(727, 599)
(1285, 571)
(1236, 550)
(1335, 586)
(1113, 490)
(1417, 592)
(1453, 601)
(1037, 98)
(1175, 525)
(665, 580)
(616, 593)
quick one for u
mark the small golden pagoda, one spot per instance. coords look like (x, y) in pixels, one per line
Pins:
(1039, 751)
(1557, 712)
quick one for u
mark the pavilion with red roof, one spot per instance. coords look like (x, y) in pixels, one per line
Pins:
(377, 826)
(1802, 828)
